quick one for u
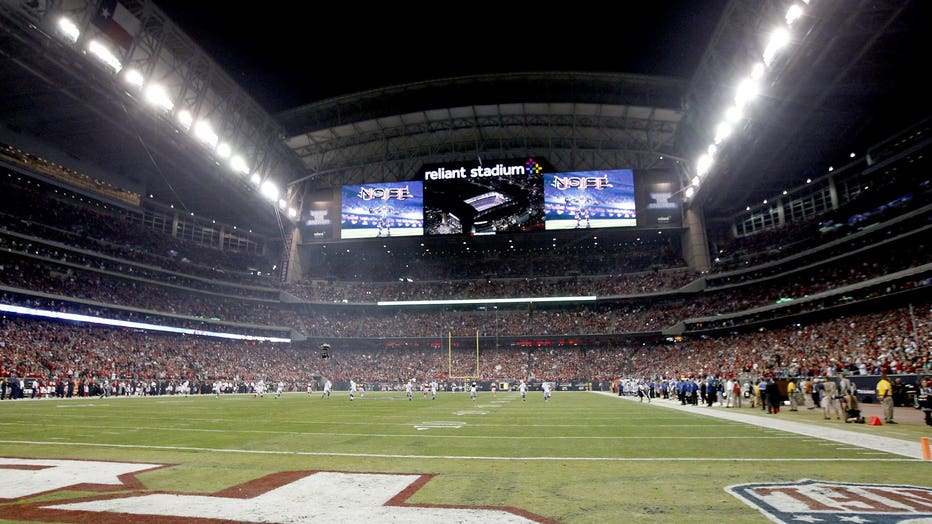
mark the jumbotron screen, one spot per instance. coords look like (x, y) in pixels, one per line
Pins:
(484, 199)
(503, 196)
(385, 209)
(589, 199)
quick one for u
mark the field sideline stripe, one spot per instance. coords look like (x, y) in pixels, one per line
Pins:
(452, 457)
(440, 428)
(823, 433)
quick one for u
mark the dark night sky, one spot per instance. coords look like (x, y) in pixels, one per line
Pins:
(286, 55)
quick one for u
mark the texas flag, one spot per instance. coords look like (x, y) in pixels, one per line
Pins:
(116, 22)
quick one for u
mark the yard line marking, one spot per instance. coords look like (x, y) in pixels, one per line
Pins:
(454, 457)
(456, 425)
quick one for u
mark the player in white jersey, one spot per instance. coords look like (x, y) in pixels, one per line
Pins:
(522, 388)
(472, 391)
(409, 390)
(433, 390)
(328, 387)
(259, 388)
(352, 389)
(279, 388)
(547, 387)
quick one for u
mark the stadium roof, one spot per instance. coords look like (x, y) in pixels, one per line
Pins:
(852, 78)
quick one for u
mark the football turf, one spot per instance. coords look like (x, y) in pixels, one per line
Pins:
(580, 457)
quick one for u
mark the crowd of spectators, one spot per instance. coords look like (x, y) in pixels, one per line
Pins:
(604, 285)
(492, 257)
(70, 259)
(82, 258)
(41, 210)
(897, 189)
(897, 341)
(31, 268)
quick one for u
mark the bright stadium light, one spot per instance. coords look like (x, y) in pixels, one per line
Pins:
(703, 165)
(292, 212)
(68, 29)
(269, 190)
(255, 179)
(185, 118)
(747, 91)
(205, 133)
(734, 115)
(133, 77)
(103, 53)
(778, 40)
(793, 14)
(239, 165)
(156, 95)
(224, 150)
(690, 191)
(722, 130)
(757, 72)
(282, 204)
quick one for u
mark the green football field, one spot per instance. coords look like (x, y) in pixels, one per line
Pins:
(581, 457)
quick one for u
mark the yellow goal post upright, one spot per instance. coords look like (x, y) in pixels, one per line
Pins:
(450, 359)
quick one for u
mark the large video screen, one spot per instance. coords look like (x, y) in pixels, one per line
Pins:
(503, 196)
(590, 199)
(386, 209)
(477, 199)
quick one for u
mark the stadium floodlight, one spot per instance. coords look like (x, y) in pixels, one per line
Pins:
(269, 190)
(205, 133)
(734, 114)
(793, 14)
(722, 131)
(697, 180)
(103, 53)
(67, 28)
(778, 40)
(133, 77)
(757, 72)
(690, 191)
(239, 165)
(223, 150)
(255, 179)
(156, 95)
(282, 204)
(747, 91)
(292, 212)
(185, 118)
(703, 165)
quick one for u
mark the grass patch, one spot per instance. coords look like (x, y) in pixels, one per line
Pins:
(581, 457)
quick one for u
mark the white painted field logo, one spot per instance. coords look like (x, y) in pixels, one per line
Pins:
(286, 497)
(817, 501)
